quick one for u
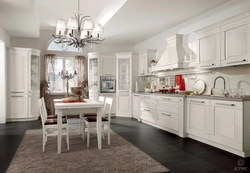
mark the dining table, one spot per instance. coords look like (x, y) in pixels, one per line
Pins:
(65, 108)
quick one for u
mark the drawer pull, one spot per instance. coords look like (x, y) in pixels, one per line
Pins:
(147, 110)
(147, 97)
(224, 104)
(17, 92)
(165, 98)
(136, 95)
(17, 96)
(194, 101)
(165, 114)
(207, 65)
(244, 60)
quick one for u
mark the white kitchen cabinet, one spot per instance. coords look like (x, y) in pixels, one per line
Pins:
(191, 54)
(107, 65)
(93, 75)
(209, 48)
(123, 104)
(125, 75)
(235, 46)
(136, 106)
(198, 117)
(23, 81)
(147, 108)
(145, 59)
(226, 123)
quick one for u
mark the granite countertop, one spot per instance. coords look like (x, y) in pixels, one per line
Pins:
(246, 98)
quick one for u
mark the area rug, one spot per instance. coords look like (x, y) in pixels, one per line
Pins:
(120, 156)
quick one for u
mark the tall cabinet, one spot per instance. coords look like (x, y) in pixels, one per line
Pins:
(23, 81)
(126, 77)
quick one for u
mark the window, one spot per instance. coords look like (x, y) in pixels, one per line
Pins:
(56, 83)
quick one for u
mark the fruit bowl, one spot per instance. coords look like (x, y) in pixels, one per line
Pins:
(80, 92)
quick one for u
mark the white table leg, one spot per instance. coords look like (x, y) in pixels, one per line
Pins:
(59, 136)
(99, 128)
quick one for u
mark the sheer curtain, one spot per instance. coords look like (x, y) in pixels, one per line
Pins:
(49, 65)
(81, 69)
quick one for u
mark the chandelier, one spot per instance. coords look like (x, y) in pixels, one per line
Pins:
(80, 31)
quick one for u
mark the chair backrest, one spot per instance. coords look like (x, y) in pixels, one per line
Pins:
(108, 106)
(101, 99)
(44, 108)
(41, 111)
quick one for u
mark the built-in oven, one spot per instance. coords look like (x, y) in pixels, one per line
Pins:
(107, 84)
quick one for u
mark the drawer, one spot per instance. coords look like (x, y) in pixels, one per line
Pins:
(166, 98)
(166, 121)
(166, 106)
(168, 114)
(147, 114)
(147, 97)
(198, 101)
(228, 104)
(148, 103)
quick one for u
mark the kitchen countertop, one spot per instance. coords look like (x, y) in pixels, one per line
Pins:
(246, 98)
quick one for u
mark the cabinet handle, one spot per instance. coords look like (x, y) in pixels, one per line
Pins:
(208, 65)
(165, 114)
(147, 97)
(194, 101)
(165, 98)
(224, 104)
(123, 91)
(17, 92)
(147, 110)
(123, 94)
(136, 95)
(244, 60)
(17, 96)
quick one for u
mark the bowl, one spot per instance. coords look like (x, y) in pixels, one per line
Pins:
(148, 90)
(80, 92)
(69, 99)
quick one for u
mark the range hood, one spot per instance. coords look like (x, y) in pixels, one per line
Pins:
(173, 56)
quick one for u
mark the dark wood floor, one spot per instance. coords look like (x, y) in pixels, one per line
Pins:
(177, 154)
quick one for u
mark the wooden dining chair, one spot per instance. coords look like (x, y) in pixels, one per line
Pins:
(50, 127)
(100, 99)
(90, 122)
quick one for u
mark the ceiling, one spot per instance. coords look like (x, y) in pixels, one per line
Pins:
(125, 21)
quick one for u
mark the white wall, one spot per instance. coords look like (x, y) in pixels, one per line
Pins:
(235, 76)
(4, 42)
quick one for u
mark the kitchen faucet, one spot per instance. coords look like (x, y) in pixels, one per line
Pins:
(225, 93)
(221, 78)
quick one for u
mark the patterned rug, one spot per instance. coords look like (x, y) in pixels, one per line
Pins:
(120, 156)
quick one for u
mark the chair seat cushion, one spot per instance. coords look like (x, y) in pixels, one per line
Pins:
(54, 121)
(93, 119)
(90, 115)
(54, 116)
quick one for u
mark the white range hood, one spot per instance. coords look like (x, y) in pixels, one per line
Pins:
(173, 56)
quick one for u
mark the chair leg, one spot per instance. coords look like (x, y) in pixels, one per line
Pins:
(44, 138)
(83, 129)
(88, 136)
(67, 137)
(108, 135)
(80, 123)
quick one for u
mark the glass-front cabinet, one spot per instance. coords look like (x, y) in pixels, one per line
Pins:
(34, 72)
(124, 74)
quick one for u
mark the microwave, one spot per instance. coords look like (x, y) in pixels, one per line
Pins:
(107, 84)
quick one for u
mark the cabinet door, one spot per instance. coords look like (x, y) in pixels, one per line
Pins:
(226, 123)
(136, 106)
(17, 71)
(148, 114)
(124, 74)
(209, 49)
(198, 117)
(93, 76)
(108, 65)
(17, 107)
(33, 106)
(123, 104)
(235, 48)
(143, 65)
